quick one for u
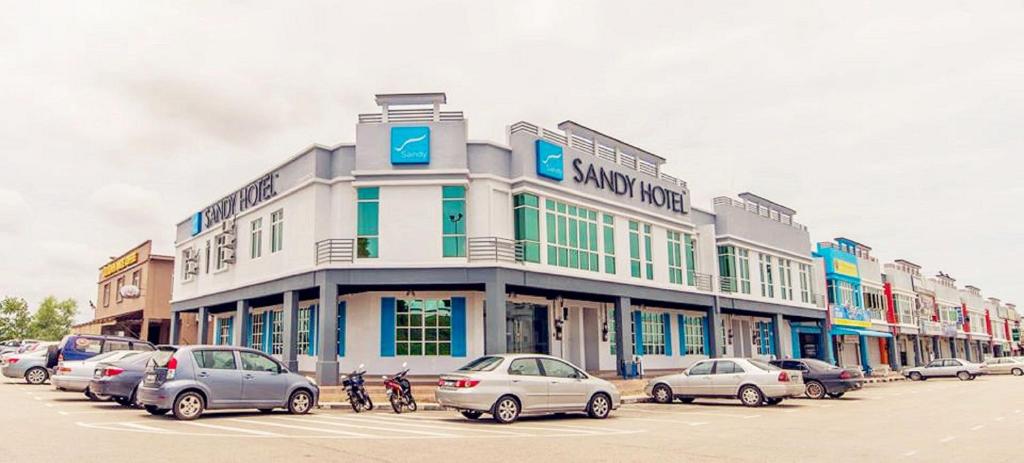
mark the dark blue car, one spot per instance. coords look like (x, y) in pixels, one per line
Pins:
(84, 346)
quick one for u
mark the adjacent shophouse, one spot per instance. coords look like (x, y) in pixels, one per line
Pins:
(417, 245)
(976, 326)
(901, 281)
(134, 298)
(947, 299)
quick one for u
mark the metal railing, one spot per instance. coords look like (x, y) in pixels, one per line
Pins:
(702, 281)
(338, 250)
(759, 210)
(493, 248)
(411, 115)
(728, 284)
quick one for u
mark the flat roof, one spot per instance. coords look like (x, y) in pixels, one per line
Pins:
(766, 202)
(410, 98)
(580, 128)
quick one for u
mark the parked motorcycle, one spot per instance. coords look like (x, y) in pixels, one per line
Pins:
(399, 391)
(357, 396)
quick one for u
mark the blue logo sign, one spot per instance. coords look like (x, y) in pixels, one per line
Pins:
(410, 145)
(197, 223)
(550, 161)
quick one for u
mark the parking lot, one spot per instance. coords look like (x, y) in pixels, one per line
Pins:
(937, 420)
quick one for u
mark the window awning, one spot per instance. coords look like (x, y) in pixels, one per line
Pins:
(860, 332)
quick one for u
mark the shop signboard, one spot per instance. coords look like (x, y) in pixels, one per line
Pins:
(843, 267)
(119, 264)
(410, 145)
(850, 316)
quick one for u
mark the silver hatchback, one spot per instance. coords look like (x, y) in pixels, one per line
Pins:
(191, 379)
(508, 385)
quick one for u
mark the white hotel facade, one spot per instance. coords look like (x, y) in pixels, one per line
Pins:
(415, 244)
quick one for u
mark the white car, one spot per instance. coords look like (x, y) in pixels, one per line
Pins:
(1005, 366)
(754, 382)
(946, 368)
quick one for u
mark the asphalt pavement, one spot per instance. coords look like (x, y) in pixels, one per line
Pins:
(937, 420)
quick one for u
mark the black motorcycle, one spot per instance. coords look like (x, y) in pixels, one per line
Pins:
(400, 391)
(357, 395)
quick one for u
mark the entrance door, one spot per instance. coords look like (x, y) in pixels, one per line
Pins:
(572, 341)
(592, 338)
(741, 338)
(809, 345)
(526, 328)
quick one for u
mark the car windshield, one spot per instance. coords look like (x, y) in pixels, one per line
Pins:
(482, 364)
(763, 365)
(814, 363)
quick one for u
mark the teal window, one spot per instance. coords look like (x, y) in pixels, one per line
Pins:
(743, 264)
(571, 236)
(609, 243)
(256, 331)
(653, 333)
(224, 326)
(527, 225)
(277, 332)
(640, 233)
(256, 238)
(805, 282)
(277, 230)
(727, 268)
(675, 264)
(786, 279)
(691, 259)
(302, 328)
(611, 329)
(764, 338)
(767, 277)
(423, 327)
(368, 222)
(453, 221)
(693, 333)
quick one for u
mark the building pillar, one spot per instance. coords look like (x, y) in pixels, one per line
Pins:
(327, 335)
(241, 322)
(865, 359)
(495, 317)
(917, 351)
(827, 343)
(289, 330)
(624, 336)
(174, 336)
(777, 322)
(203, 326)
(894, 355)
(715, 341)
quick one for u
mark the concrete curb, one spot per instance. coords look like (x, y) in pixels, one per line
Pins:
(887, 379)
(430, 406)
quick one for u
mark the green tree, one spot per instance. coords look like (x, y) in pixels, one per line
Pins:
(15, 319)
(53, 319)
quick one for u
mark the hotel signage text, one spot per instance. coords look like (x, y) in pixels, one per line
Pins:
(246, 197)
(628, 185)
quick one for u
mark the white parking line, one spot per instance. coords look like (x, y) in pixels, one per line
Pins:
(231, 428)
(303, 428)
(681, 412)
(656, 420)
(444, 425)
(977, 427)
(375, 428)
(947, 439)
(144, 427)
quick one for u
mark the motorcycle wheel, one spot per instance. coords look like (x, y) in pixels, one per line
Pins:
(396, 404)
(412, 404)
(369, 403)
(356, 405)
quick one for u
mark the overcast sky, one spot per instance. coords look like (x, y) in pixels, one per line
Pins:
(897, 124)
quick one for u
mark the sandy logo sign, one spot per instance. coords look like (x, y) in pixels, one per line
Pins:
(410, 145)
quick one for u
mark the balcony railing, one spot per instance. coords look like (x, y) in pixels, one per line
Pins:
(340, 250)
(702, 281)
(494, 249)
(728, 284)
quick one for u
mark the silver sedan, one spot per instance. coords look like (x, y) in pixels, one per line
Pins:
(508, 385)
(31, 366)
(752, 381)
(75, 375)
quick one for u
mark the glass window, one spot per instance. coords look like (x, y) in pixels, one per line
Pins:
(691, 259)
(277, 230)
(224, 331)
(482, 364)
(648, 252)
(256, 327)
(558, 369)
(106, 294)
(675, 264)
(694, 335)
(767, 279)
(256, 238)
(140, 346)
(640, 234)
(112, 345)
(763, 365)
(702, 368)
(727, 268)
(527, 225)
(88, 345)
(785, 279)
(137, 279)
(423, 327)
(571, 236)
(653, 333)
(117, 289)
(252, 361)
(743, 261)
(453, 221)
(368, 222)
(609, 243)
(303, 330)
(726, 367)
(611, 329)
(215, 359)
(220, 248)
(805, 283)
(524, 367)
(276, 332)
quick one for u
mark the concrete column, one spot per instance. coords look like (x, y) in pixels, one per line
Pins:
(894, 355)
(241, 322)
(828, 342)
(622, 312)
(495, 329)
(203, 326)
(289, 335)
(777, 322)
(327, 335)
(917, 351)
(865, 359)
(715, 341)
(175, 335)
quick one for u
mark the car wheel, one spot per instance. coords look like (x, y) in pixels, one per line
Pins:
(471, 414)
(815, 390)
(963, 376)
(916, 376)
(662, 394)
(687, 400)
(300, 403)
(751, 396)
(1017, 372)
(156, 411)
(600, 406)
(36, 375)
(188, 406)
(506, 410)
(836, 395)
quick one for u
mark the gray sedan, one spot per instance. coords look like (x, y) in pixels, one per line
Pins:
(507, 385)
(188, 380)
(119, 379)
(31, 366)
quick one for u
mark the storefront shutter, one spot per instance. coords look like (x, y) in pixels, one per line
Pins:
(342, 316)
(638, 336)
(458, 327)
(666, 323)
(681, 321)
(707, 336)
(313, 319)
(268, 322)
(387, 327)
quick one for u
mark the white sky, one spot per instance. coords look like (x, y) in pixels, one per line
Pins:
(897, 124)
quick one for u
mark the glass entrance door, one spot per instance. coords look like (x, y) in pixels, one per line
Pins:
(527, 328)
